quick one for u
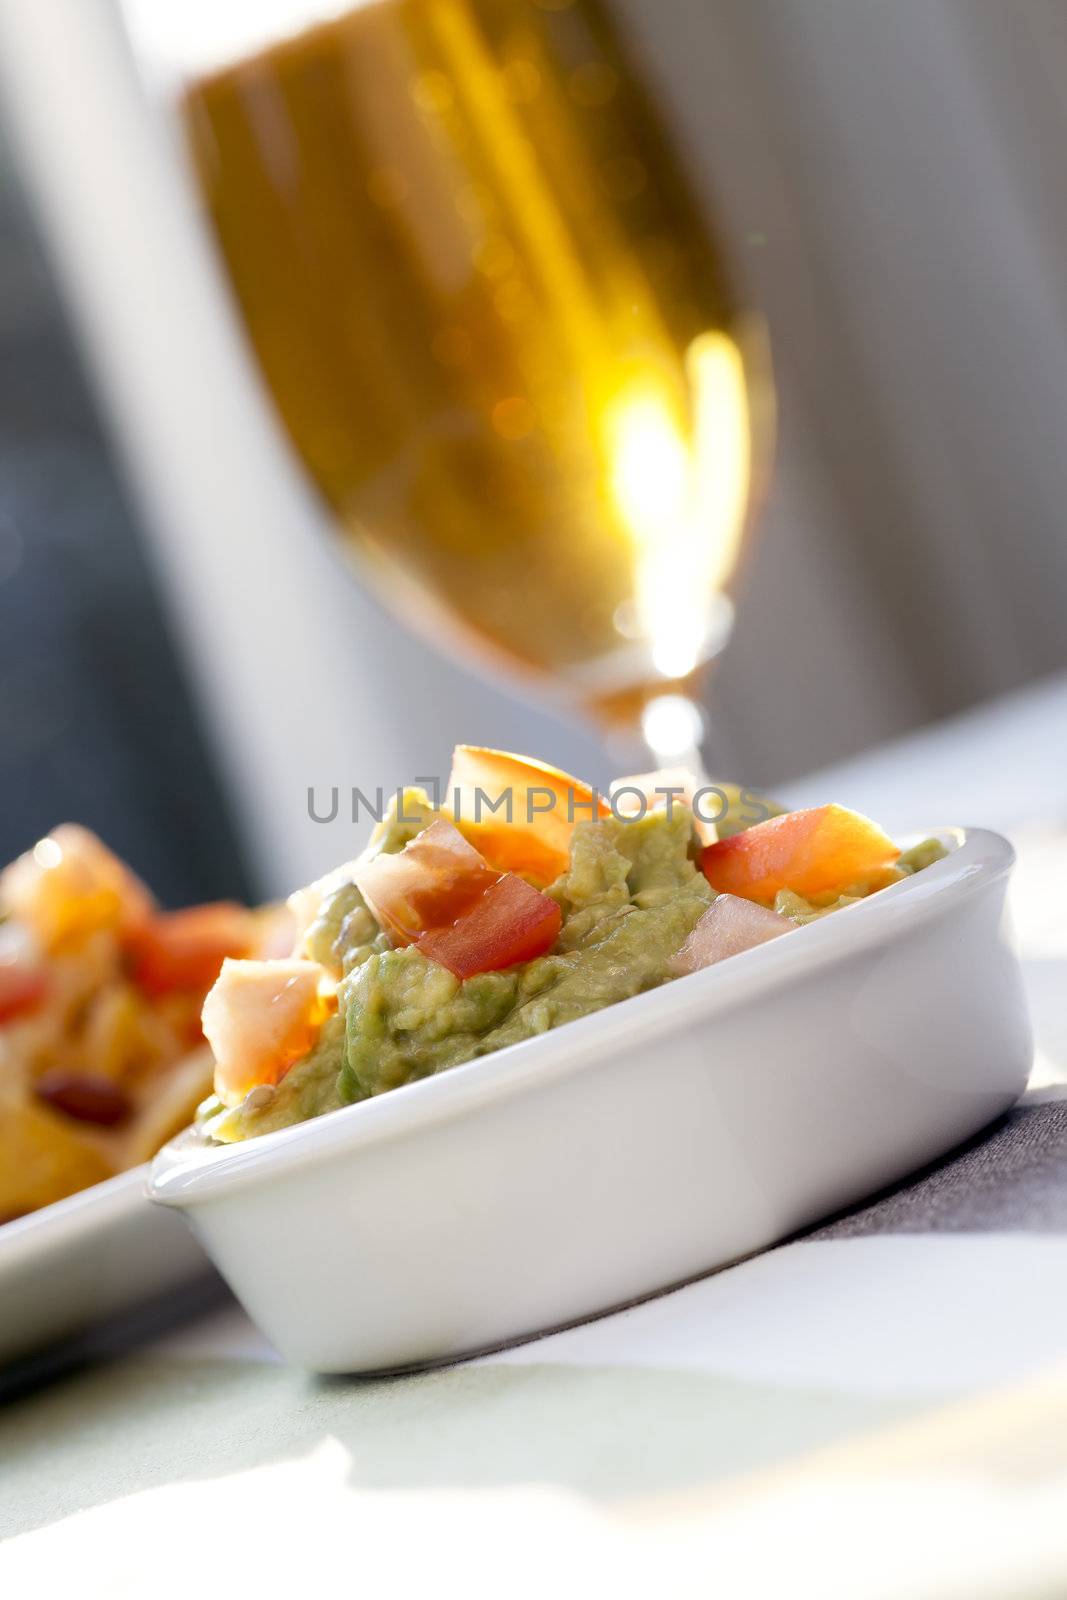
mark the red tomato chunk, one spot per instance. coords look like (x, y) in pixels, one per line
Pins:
(175, 950)
(441, 894)
(512, 922)
(435, 879)
(21, 989)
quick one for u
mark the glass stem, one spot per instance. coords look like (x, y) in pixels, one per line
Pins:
(674, 729)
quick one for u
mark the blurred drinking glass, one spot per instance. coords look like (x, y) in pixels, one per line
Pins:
(498, 330)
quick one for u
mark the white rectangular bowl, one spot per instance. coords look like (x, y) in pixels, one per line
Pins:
(656, 1140)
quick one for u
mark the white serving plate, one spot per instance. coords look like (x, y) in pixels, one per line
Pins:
(86, 1259)
(654, 1141)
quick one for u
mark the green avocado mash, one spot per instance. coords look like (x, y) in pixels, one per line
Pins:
(630, 897)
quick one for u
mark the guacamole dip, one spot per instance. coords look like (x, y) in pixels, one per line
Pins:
(628, 901)
(632, 893)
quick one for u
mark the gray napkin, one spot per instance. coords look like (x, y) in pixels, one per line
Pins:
(1012, 1177)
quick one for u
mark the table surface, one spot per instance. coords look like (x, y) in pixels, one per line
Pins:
(878, 1408)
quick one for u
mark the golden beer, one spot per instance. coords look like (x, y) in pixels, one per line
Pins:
(494, 325)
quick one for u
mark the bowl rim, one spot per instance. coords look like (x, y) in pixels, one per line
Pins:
(186, 1171)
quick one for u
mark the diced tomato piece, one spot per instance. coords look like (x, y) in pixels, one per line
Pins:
(678, 785)
(442, 895)
(728, 926)
(539, 807)
(69, 885)
(22, 989)
(511, 922)
(185, 949)
(432, 881)
(259, 1018)
(811, 852)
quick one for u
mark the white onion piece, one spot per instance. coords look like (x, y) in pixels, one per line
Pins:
(728, 926)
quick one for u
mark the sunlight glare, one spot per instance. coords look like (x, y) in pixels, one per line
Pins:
(682, 505)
